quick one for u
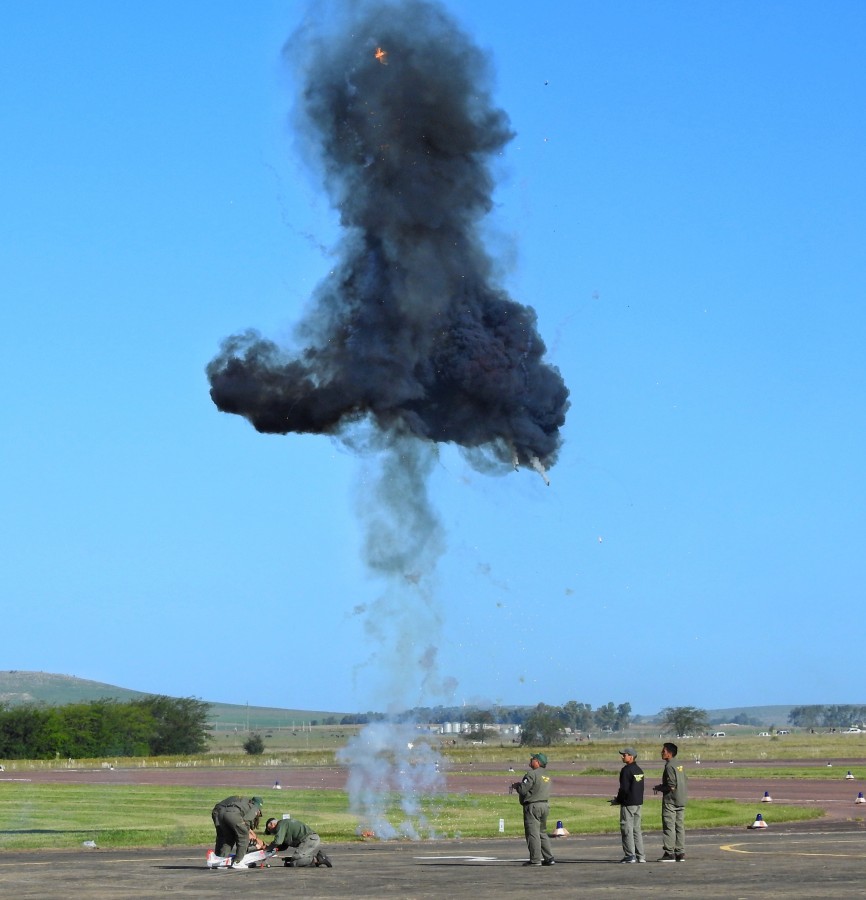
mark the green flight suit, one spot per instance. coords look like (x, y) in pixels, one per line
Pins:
(534, 793)
(233, 819)
(292, 833)
(674, 796)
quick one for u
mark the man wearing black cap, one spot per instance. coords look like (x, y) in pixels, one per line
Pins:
(629, 798)
(234, 819)
(534, 793)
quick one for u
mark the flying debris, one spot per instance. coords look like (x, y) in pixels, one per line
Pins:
(535, 462)
(382, 56)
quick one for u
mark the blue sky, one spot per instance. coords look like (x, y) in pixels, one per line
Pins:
(684, 205)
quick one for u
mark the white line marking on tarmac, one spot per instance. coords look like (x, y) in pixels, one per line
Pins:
(467, 858)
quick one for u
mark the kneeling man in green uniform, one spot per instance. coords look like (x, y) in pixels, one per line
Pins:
(287, 833)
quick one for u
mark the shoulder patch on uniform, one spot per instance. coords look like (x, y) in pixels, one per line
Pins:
(679, 768)
(639, 777)
(545, 778)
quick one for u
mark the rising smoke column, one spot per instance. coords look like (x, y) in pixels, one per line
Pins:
(409, 340)
(391, 770)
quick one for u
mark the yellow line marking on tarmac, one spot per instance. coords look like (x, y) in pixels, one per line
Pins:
(735, 848)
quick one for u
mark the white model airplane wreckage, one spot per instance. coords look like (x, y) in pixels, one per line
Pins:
(252, 860)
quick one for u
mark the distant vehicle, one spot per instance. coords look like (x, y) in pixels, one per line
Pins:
(853, 730)
(783, 732)
(718, 734)
(763, 734)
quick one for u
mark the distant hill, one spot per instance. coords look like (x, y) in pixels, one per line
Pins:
(43, 688)
(17, 688)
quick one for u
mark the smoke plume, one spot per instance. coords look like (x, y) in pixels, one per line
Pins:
(408, 343)
(409, 330)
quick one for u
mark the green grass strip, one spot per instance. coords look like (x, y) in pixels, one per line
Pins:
(39, 816)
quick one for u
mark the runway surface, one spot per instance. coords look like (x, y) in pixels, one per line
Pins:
(813, 860)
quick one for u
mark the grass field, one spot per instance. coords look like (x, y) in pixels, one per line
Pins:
(36, 816)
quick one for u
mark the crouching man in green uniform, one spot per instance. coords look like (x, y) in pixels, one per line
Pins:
(235, 819)
(534, 793)
(287, 833)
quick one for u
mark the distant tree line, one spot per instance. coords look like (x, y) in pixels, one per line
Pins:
(833, 716)
(151, 726)
(543, 722)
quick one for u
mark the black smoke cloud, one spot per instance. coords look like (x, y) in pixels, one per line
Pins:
(409, 330)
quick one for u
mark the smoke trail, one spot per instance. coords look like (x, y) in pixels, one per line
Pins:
(403, 543)
(409, 342)
(393, 768)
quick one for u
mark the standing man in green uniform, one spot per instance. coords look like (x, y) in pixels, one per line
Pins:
(534, 793)
(674, 795)
(287, 833)
(235, 819)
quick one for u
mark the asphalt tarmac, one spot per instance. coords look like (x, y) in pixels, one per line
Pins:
(814, 860)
